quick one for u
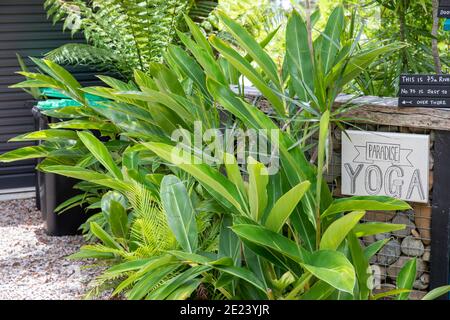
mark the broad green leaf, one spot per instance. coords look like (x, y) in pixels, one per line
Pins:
(376, 203)
(406, 277)
(332, 267)
(390, 293)
(243, 274)
(189, 67)
(149, 281)
(348, 69)
(229, 243)
(436, 293)
(257, 188)
(252, 47)
(155, 263)
(49, 134)
(24, 153)
(244, 67)
(285, 205)
(372, 249)
(84, 125)
(62, 75)
(165, 79)
(188, 257)
(101, 153)
(234, 173)
(118, 220)
(338, 230)
(103, 236)
(361, 265)
(165, 289)
(209, 64)
(372, 228)
(93, 252)
(180, 213)
(298, 55)
(128, 266)
(330, 39)
(75, 172)
(199, 37)
(321, 290)
(272, 240)
(185, 291)
(206, 175)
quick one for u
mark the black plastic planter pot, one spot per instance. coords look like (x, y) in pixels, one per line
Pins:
(52, 190)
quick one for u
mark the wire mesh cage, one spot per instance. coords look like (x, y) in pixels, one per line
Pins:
(402, 245)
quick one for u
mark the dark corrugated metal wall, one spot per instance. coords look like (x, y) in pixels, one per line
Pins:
(24, 29)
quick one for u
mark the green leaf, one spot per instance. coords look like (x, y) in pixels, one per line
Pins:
(252, 47)
(257, 189)
(244, 67)
(406, 277)
(185, 291)
(361, 265)
(207, 176)
(436, 293)
(103, 236)
(24, 153)
(229, 243)
(101, 153)
(118, 220)
(149, 281)
(372, 249)
(321, 290)
(244, 274)
(88, 175)
(49, 134)
(84, 125)
(180, 213)
(198, 35)
(338, 230)
(272, 240)
(333, 268)
(234, 173)
(189, 67)
(285, 205)
(376, 203)
(330, 39)
(390, 293)
(372, 228)
(298, 55)
(173, 284)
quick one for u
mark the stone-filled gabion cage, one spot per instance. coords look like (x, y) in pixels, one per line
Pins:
(426, 236)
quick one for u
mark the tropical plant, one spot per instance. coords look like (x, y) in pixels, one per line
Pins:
(279, 236)
(121, 35)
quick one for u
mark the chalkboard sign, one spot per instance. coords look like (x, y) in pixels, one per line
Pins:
(429, 91)
(444, 9)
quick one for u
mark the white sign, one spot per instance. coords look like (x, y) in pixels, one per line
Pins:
(385, 163)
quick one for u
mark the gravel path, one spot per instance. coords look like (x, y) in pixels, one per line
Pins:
(32, 264)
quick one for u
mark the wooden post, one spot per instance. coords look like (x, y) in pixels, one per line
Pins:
(440, 222)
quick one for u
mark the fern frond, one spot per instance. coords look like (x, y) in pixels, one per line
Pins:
(83, 54)
(149, 230)
(130, 33)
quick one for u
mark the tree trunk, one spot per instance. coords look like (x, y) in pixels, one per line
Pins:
(434, 41)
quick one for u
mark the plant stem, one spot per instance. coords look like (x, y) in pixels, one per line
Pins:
(299, 286)
(309, 27)
(323, 134)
